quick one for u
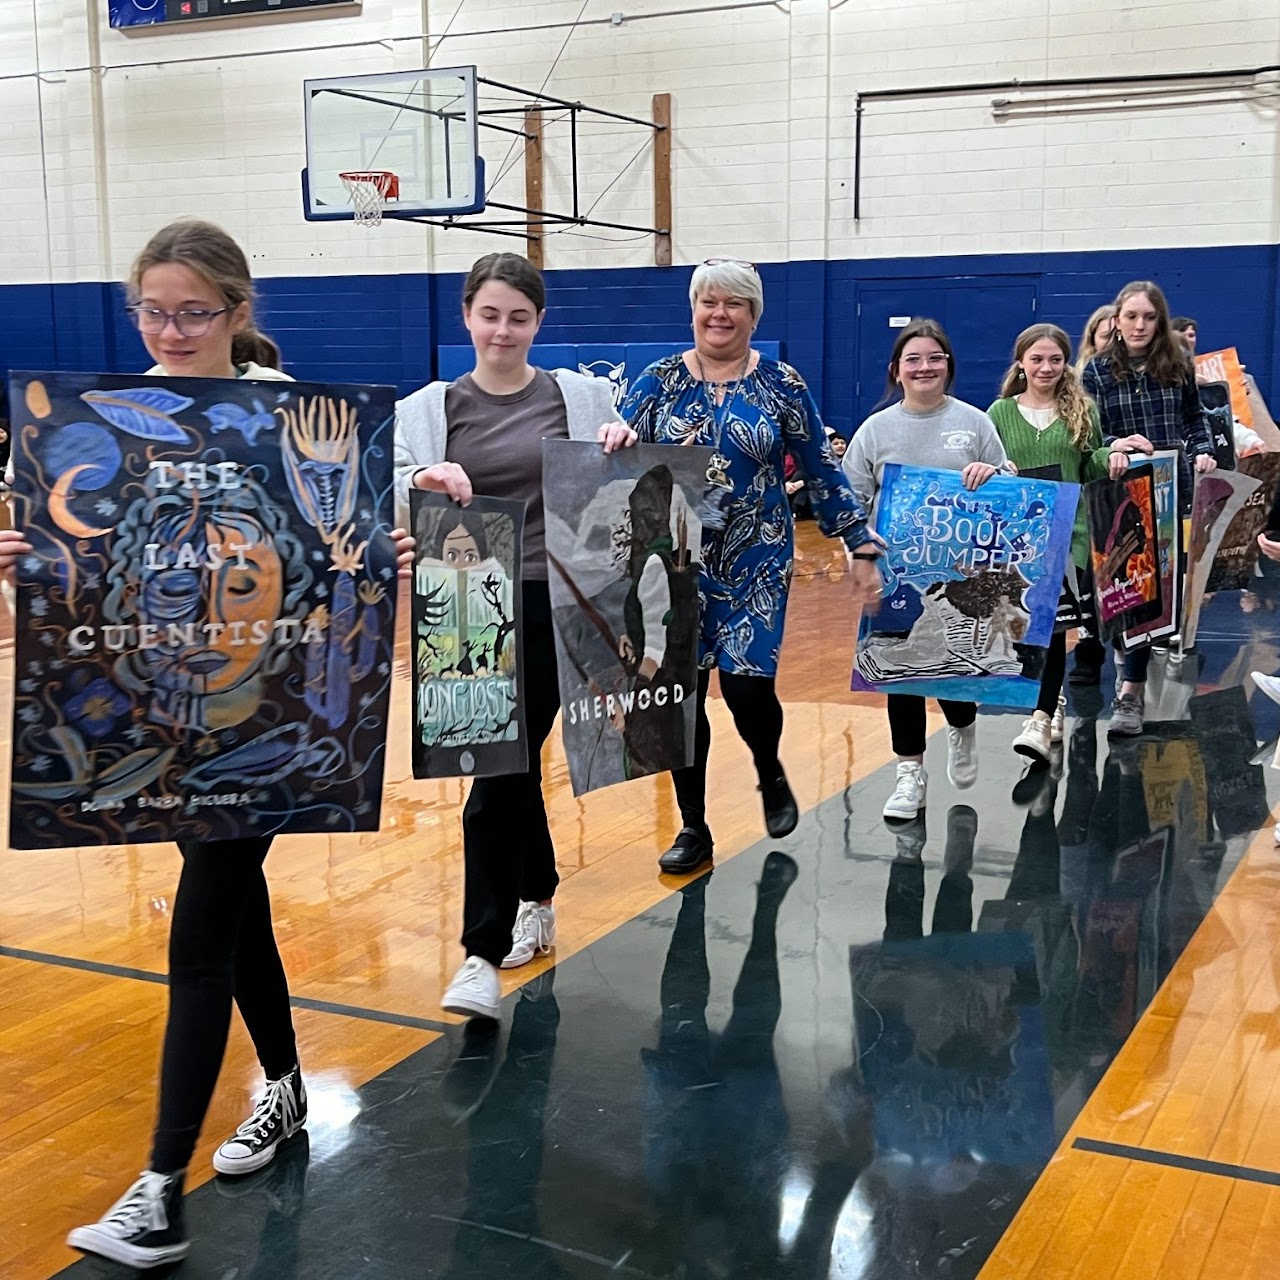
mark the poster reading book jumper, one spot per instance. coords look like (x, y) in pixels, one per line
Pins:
(1075, 608)
(972, 579)
(1237, 554)
(205, 627)
(1124, 550)
(624, 541)
(1216, 500)
(1164, 476)
(467, 634)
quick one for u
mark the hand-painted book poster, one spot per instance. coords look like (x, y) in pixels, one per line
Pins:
(1075, 609)
(972, 580)
(624, 541)
(1164, 478)
(468, 704)
(205, 626)
(1215, 400)
(1124, 550)
(1237, 554)
(1216, 500)
(1224, 366)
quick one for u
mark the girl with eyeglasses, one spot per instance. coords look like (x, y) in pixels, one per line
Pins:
(192, 298)
(927, 427)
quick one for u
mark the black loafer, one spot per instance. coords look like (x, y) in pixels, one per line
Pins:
(691, 849)
(781, 813)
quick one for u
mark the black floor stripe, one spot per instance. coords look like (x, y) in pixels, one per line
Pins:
(1192, 1164)
(298, 1002)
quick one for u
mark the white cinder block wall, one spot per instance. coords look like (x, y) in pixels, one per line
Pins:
(103, 137)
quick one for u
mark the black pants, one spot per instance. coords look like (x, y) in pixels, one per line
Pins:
(1055, 671)
(757, 716)
(506, 841)
(907, 720)
(221, 949)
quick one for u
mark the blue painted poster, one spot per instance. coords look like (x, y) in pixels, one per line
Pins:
(468, 704)
(972, 581)
(206, 624)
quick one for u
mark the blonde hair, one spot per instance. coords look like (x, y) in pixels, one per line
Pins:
(211, 253)
(732, 278)
(1088, 348)
(1073, 404)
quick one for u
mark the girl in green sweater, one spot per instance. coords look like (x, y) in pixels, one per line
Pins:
(1045, 419)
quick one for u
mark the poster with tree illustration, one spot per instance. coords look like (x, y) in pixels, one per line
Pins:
(206, 622)
(467, 638)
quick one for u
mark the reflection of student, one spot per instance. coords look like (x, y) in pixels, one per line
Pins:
(483, 434)
(192, 300)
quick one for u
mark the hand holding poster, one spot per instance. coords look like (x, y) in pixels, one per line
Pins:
(1164, 477)
(468, 704)
(1215, 501)
(205, 626)
(1124, 550)
(971, 576)
(624, 540)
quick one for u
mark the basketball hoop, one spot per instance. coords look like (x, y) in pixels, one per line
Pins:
(369, 190)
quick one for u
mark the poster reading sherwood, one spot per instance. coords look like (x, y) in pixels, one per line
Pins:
(205, 625)
(624, 540)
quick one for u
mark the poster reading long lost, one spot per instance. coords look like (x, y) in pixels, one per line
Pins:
(973, 580)
(468, 708)
(1124, 550)
(205, 626)
(624, 539)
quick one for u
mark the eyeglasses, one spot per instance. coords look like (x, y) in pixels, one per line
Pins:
(935, 360)
(729, 262)
(190, 324)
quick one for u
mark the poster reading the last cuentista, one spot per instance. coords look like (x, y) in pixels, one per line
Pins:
(206, 620)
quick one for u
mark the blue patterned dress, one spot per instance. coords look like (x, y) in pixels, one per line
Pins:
(746, 566)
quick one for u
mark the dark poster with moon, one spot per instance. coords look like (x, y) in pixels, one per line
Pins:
(206, 624)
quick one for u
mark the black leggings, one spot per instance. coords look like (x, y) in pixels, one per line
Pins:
(907, 720)
(221, 948)
(1055, 670)
(757, 716)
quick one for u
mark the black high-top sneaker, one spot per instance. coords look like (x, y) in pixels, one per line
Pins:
(144, 1228)
(280, 1113)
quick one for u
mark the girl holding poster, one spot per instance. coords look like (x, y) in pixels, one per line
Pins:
(483, 434)
(927, 428)
(1144, 385)
(191, 297)
(1045, 420)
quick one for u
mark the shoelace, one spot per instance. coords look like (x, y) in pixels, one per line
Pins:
(279, 1096)
(531, 926)
(141, 1206)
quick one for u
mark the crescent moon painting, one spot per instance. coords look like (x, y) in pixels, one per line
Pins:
(61, 515)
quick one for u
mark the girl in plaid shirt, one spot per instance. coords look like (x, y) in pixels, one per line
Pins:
(1144, 385)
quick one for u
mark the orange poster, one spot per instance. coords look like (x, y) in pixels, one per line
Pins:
(1224, 366)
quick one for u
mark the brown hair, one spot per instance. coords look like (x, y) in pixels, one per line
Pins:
(1167, 359)
(1088, 347)
(210, 252)
(919, 329)
(1073, 405)
(509, 269)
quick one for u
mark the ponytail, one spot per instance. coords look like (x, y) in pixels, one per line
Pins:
(250, 346)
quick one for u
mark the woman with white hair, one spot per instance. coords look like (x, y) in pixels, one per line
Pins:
(753, 412)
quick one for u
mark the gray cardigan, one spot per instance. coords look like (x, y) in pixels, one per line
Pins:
(422, 433)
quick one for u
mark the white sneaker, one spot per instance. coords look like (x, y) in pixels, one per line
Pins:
(475, 990)
(1058, 721)
(1034, 740)
(1270, 685)
(962, 756)
(908, 792)
(534, 934)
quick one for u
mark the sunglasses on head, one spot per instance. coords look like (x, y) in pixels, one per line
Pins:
(729, 262)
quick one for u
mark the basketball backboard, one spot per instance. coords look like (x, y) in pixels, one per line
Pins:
(419, 126)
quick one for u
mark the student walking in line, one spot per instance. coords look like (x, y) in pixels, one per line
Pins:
(483, 434)
(1045, 420)
(191, 297)
(928, 427)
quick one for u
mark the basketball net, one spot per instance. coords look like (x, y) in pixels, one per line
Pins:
(368, 191)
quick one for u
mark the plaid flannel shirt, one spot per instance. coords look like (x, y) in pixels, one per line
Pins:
(1167, 413)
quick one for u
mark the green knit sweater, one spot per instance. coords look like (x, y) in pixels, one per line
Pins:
(1051, 447)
